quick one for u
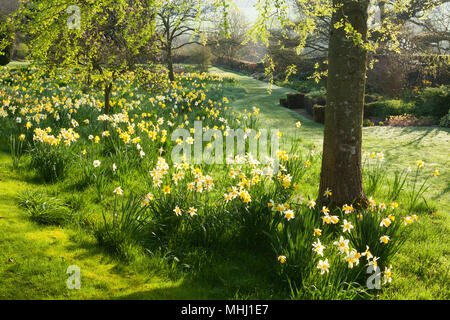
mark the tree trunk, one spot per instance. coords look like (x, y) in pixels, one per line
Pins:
(170, 62)
(108, 88)
(341, 163)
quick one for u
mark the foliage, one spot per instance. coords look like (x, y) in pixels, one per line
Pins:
(6, 42)
(445, 120)
(374, 171)
(227, 45)
(123, 228)
(97, 41)
(433, 102)
(207, 209)
(386, 108)
(43, 209)
(406, 120)
(21, 51)
(51, 163)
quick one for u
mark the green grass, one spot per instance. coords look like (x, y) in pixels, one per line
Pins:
(34, 258)
(423, 264)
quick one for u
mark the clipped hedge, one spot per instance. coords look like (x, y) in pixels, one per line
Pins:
(387, 108)
(319, 113)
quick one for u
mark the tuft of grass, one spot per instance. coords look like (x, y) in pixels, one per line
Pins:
(43, 209)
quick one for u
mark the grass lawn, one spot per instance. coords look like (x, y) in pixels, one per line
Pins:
(423, 263)
(34, 258)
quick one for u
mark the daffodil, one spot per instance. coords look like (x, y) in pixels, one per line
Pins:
(386, 222)
(342, 244)
(118, 191)
(177, 211)
(347, 226)
(289, 214)
(192, 211)
(323, 266)
(387, 274)
(318, 247)
(384, 239)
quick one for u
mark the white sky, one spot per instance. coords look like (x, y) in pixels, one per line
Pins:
(247, 8)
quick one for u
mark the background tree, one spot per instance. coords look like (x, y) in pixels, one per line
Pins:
(341, 170)
(349, 43)
(95, 40)
(178, 20)
(228, 44)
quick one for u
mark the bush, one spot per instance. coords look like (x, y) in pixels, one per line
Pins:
(445, 120)
(21, 51)
(407, 120)
(387, 108)
(43, 209)
(433, 102)
(368, 123)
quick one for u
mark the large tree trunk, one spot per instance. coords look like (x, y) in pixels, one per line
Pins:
(341, 163)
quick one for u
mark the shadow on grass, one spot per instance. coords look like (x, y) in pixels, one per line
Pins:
(424, 132)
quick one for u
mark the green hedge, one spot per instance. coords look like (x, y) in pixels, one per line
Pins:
(387, 108)
(433, 102)
(319, 113)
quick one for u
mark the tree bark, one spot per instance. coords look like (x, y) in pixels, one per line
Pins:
(341, 162)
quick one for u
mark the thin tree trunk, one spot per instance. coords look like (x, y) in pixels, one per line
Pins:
(170, 62)
(341, 163)
(108, 89)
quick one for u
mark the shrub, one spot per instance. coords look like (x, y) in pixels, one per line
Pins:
(43, 209)
(387, 108)
(368, 123)
(21, 51)
(407, 120)
(445, 120)
(433, 102)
